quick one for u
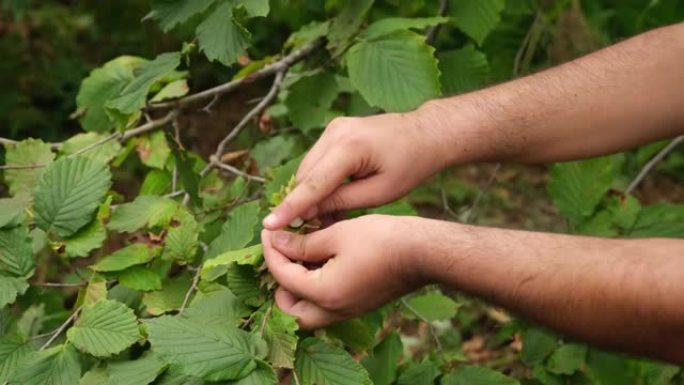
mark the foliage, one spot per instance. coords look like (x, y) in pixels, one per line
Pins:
(166, 285)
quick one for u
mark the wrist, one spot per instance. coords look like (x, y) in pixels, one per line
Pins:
(418, 252)
(461, 132)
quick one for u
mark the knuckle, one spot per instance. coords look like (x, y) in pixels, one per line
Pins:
(336, 125)
(331, 301)
(314, 183)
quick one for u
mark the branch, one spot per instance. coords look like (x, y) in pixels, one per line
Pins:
(433, 331)
(254, 112)
(236, 171)
(483, 191)
(434, 30)
(193, 287)
(652, 163)
(61, 328)
(279, 66)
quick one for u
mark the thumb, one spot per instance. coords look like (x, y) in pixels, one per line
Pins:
(315, 247)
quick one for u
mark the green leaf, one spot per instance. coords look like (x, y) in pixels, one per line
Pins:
(354, 333)
(346, 24)
(475, 375)
(389, 25)
(16, 253)
(433, 306)
(174, 376)
(153, 149)
(477, 18)
(169, 298)
(243, 281)
(274, 151)
(318, 363)
(173, 90)
(659, 220)
(307, 33)
(95, 376)
(68, 194)
(567, 359)
(609, 368)
(133, 97)
(12, 211)
(56, 366)
(397, 72)
(537, 345)
(186, 171)
(577, 187)
(85, 240)
(423, 373)
(624, 211)
(252, 255)
(13, 347)
(169, 13)
(254, 8)
(95, 292)
(280, 176)
(144, 211)
(309, 100)
(140, 278)
(219, 307)
(238, 230)
(29, 152)
(139, 372)
(221, 37)
(279, 334)
(105, 328)
(131, 255)
(182, 239)
(156, 182)
(103, 152)
(463, 70)
(212, 353)
(262, 375)
(10, 288)
(383, 361)
(99, 87)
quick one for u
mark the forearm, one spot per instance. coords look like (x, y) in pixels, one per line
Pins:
(624, 294)
(612, 100)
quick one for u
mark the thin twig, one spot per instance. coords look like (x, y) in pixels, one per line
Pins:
(524, 46)
(433, 331)
(238, 172)
(269, 310)
(61, 328)
(296, 379)
(253, 113)
(193, 287)
(100, 142)
(278, 66)
(434, 30)
(59, 284)
(470, 215)
(147, 127)
(652, 163)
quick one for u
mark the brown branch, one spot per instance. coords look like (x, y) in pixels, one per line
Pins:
(236, 171)
(193, 287)
(61, 328)
(279, 66)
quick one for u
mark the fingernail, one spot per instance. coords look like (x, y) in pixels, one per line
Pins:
(270, 221)
(281, 238)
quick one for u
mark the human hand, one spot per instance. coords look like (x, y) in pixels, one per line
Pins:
(366, 262)
(384, 155)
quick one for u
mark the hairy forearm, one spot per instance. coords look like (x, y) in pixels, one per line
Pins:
(623, 294)
(612, 100)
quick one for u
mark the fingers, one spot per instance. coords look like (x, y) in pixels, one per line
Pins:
(362, 193)
(309, 315)
(314, 247)
(295, 278)
(323, 179)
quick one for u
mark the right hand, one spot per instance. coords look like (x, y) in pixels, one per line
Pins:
(384, 155)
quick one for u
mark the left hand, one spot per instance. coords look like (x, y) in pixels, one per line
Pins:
(366, 262)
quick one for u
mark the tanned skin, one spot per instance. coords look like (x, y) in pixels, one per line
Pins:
(621, 294)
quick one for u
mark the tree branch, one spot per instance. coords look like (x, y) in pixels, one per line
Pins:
(236, 171)
(434, 30)
(61, 328)
(652, 163)
(193, 287)
(279, 66)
